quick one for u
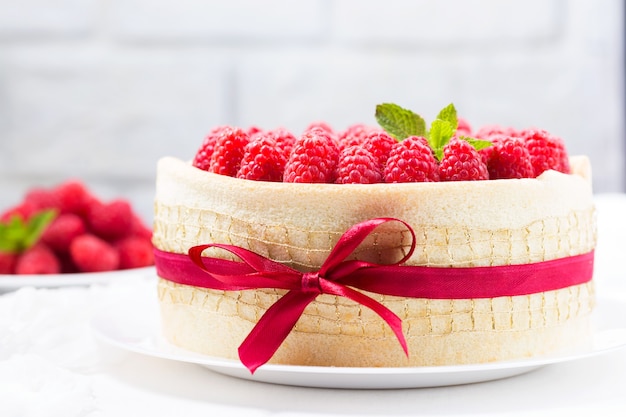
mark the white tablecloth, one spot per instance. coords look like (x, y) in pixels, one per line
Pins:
(52, 365)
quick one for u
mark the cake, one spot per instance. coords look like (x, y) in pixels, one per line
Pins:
(495, 270)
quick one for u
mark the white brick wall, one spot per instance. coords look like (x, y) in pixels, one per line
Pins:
(100, 89)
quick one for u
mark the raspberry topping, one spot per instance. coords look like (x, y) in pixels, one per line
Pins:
(411, 160)
(509, 158)
(461, 162)
(228, 151)
(546, 151)
(379, 144)
(357, 165)
(202, 159)
(313, 158)
(406, 149)
(263, 160)
(355, 135)
(463, 128)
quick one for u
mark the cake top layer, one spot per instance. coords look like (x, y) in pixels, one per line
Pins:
(509, 203)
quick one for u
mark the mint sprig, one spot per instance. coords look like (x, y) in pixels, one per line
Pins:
(17, 234)
(398, 122)
(401, 123)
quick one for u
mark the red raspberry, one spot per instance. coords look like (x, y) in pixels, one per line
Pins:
(73, 197)
(313, 158)
(39, 259)
(509, 158)
(357, 165)
(546, 151)
(92, 254)
(135, 252)
(7, 262)
(284, 140)
(140, 229)
(461, 162)
(321, 125)
(262, 160)
(379, 144)
(111, 220)
(463, 127)
(355, 135)
(486, 132)
(41, 199)
(485, 153)
(202, 159)
(253, 130)
(63, 229)
(411, 161)
(228, 152)
(24, 211)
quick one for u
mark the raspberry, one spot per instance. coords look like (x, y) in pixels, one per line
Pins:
(355, 135)
(135, 252)
(463, 127)
(202, 159)
(63, 229)
(357, 165)
(39, 259)
(228, 152)
(92, 254)
(546, 151)
(284, 140)
(7, 262)
(253, 131)
(139, 228)
(486, 132)
(379, 144)
(461, 162)
(313, 158)
(72, 197)
(110, 220)
(485, 153)
(262, 160)
(509, 158)
(411, 161)
(41, 199)
(321, 125)
(24, 211)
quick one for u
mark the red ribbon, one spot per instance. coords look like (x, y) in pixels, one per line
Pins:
(338, 275)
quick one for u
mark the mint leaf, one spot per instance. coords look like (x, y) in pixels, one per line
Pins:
(398, 122)
(17, 235)
(37, 225)
(478, 144)
(440, 133)
(448, 114)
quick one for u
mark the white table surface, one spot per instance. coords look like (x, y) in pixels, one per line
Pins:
(51, 364)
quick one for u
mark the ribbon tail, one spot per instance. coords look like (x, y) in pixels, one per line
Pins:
(273, 328)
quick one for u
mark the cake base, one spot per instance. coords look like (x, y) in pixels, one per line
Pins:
(338, 332)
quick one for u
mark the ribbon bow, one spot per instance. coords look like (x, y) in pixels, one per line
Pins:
(332, 278)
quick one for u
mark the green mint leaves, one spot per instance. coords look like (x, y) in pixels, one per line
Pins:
(398, 122)
(17, 235)
(401, 123)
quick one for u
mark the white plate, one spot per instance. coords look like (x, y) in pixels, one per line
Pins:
(14, 282)
(136, 327)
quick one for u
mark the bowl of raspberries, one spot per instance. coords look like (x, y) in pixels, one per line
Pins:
(67, 231)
